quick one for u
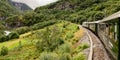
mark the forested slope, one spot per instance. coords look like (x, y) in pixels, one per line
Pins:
(75, 11)
(6, 9)
(80, 10)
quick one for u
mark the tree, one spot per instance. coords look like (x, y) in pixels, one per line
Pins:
(98, 16)
(4, 51)
(50, 39)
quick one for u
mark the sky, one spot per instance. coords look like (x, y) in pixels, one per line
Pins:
(44, 2)
(35, 3)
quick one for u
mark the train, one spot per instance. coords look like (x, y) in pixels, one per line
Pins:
(107, 31)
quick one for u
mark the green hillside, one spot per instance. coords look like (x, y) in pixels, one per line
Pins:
(80, 10)
(56, 41)
(6, 9)
(75, 11)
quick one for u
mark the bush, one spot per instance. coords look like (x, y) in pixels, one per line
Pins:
(4, 51)
(81, 47)
(3, 38)
(40, 46)
(36, 26)
(50, 39)
(69, 35)
(65, 48)
(79, 56)
(65, 56)
(22, 30)
(48, 56)
(48, 46)
(9, 37)
(19, 46)
(13, 35)
(42, 24)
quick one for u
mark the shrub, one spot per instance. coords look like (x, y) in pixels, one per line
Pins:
(19, 46)
(40, 46)
(42, 24)
(48, 56)
(65, 48)
(4, 51)
(13, 35)
(55, 43)
(22, 30)
(9, 37)
(69, 35)
(50, 39)
(48, 46)
(79, 56)
(81, 47)
(3, 38)
(65, 56)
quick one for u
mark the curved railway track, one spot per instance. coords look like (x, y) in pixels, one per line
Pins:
(97, 50)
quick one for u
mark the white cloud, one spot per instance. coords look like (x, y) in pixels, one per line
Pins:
(44, 2)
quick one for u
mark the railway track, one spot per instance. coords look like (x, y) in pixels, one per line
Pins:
(97, 50)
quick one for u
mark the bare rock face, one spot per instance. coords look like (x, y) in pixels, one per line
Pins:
(32, 3)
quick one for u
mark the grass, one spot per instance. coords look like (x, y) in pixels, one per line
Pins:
(24, 54)
(13, 43)
(77, 36)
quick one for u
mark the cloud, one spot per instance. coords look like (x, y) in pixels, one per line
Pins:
(44, 2)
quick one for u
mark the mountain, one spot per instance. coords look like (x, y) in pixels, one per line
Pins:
(20, 6)
(76, 11)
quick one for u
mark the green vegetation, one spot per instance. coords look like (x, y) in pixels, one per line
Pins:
(81, 47)
(115, 50)
(6, 9)
(4, 51)
(75, 11)
(50, 39)
(16, 32)
(79, 56)
(47, 33)
(12, 35)
(22, 30)
(48, 56)
(50, 42)
(79, 11)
